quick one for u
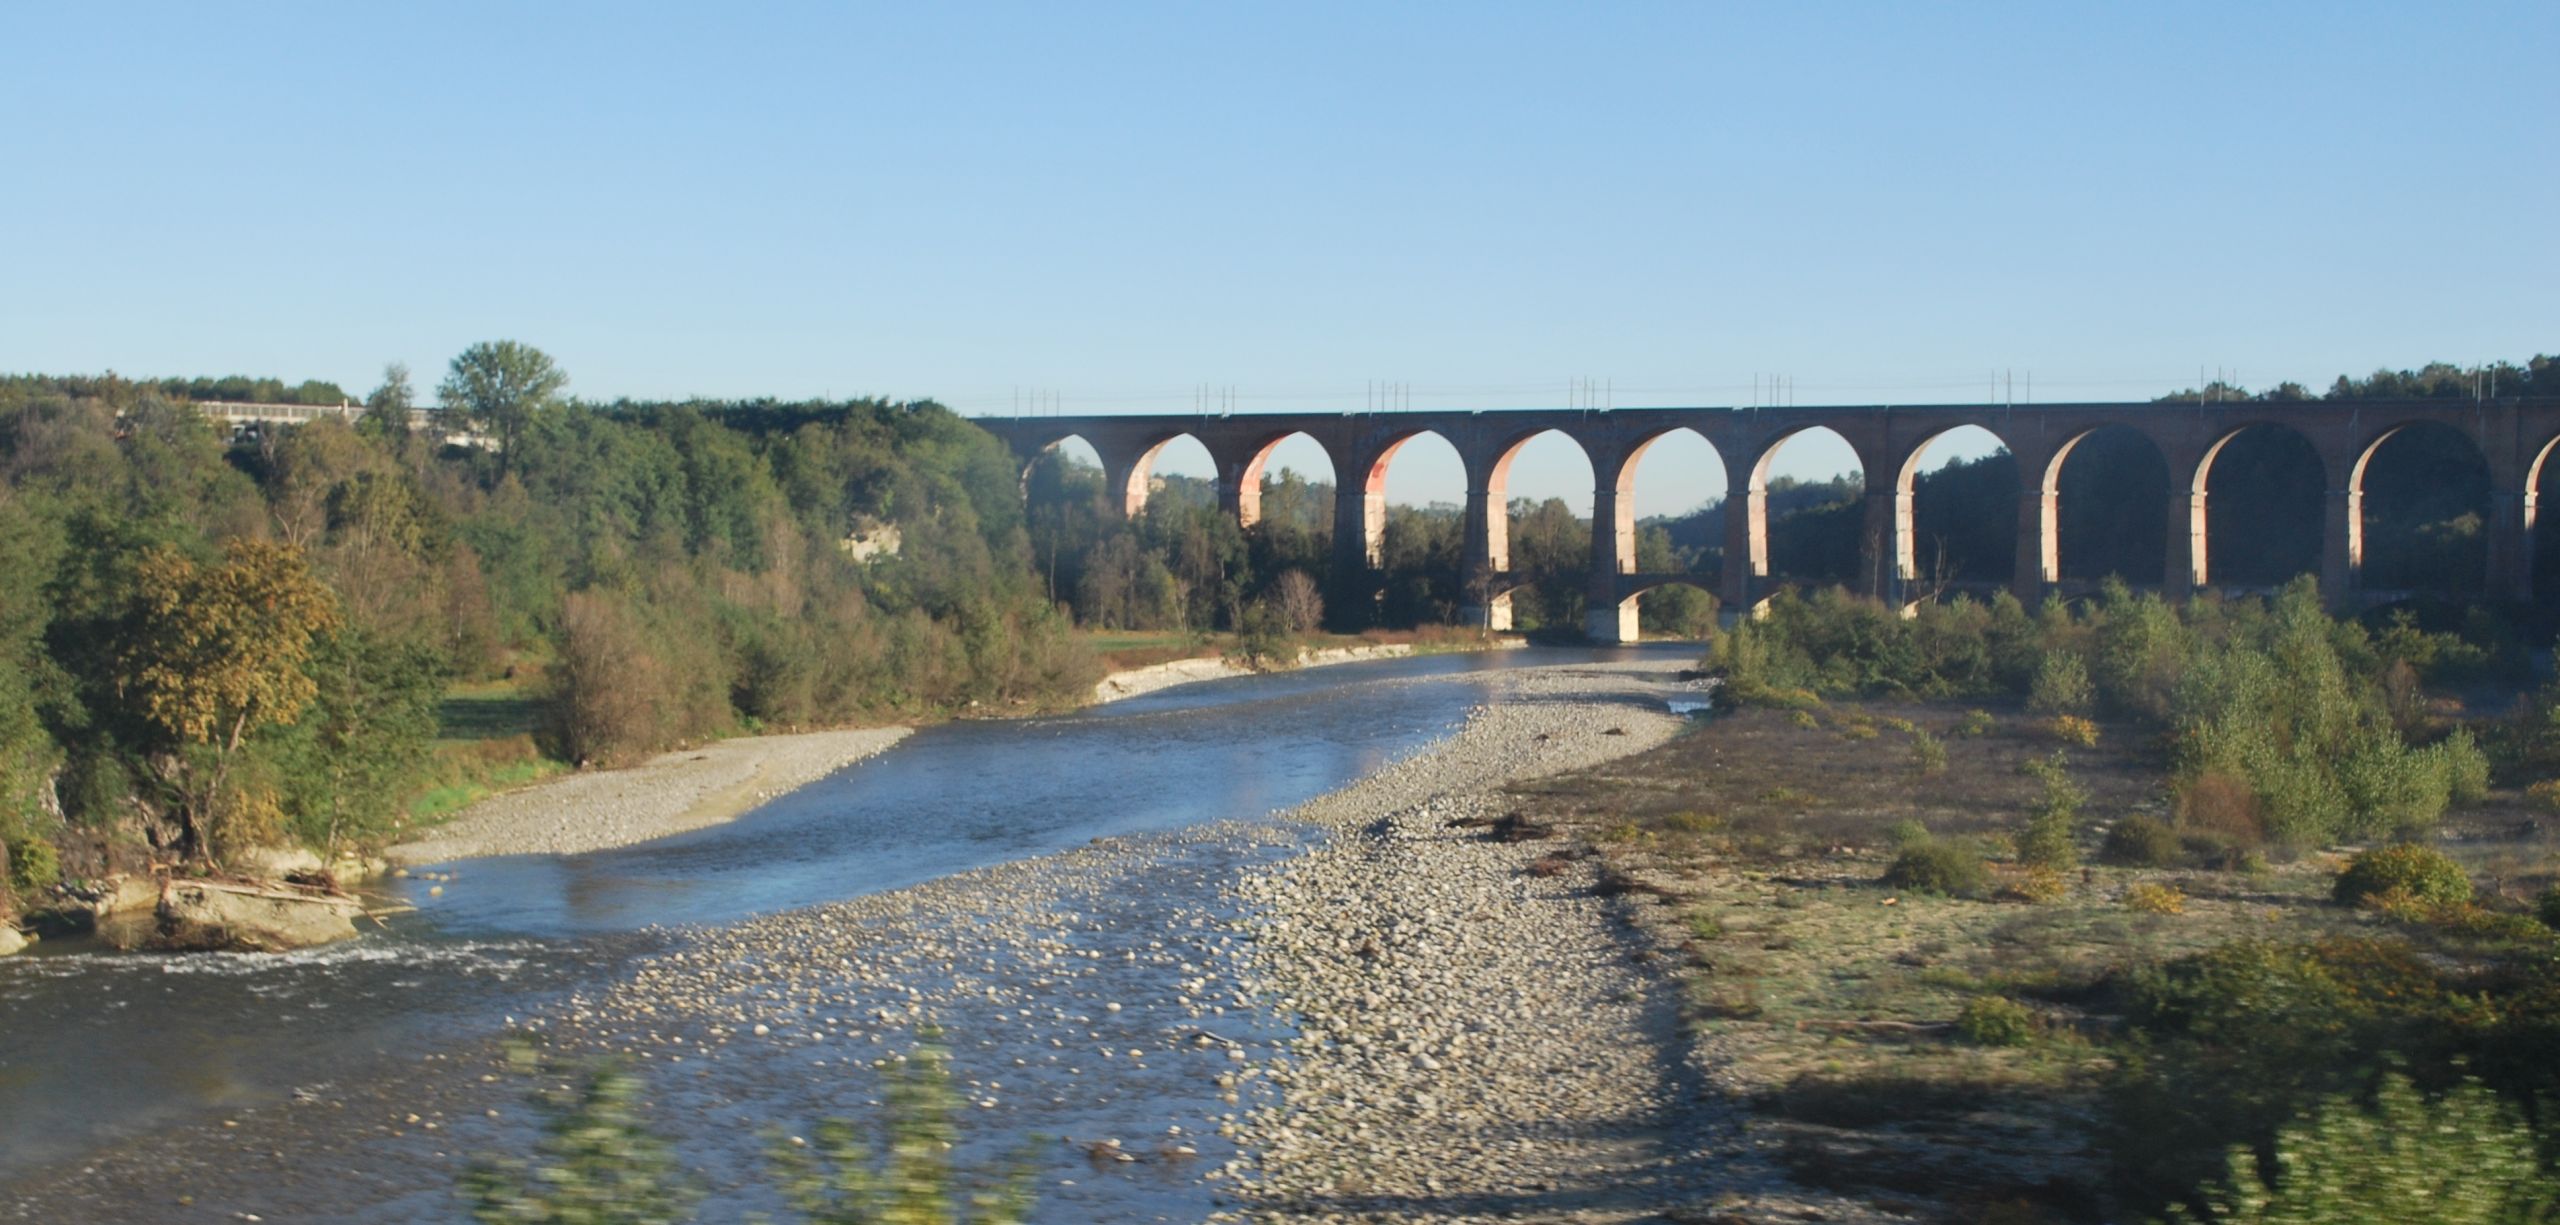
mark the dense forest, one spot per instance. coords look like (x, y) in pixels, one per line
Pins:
(206, 646)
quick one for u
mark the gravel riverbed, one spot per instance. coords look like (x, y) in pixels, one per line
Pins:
(1361, 1012)
(668, 794)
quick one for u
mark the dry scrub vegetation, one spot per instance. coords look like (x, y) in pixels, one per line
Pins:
(2001, 1056)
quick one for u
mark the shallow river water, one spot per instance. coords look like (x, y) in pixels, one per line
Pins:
(104, 1056)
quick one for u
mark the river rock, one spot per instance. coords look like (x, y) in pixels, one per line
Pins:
(210, 916)
(127, 893)
(10, 940)
(276, 862)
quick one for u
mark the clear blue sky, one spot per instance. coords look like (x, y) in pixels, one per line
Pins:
(1118, 203)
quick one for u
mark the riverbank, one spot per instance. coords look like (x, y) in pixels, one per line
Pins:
(671, 793)
(1130, 682)
(689, 789)
(1215, 1019)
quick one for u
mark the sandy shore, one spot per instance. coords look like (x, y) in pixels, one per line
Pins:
(1135, 681)
(668, 794)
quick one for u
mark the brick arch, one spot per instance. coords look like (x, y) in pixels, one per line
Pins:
(2040, 502)
(1030, 457)
(1902, 526)
(1619, 480)
(2334, 556)
(1370, 482)
(2361, 461)
(1493, 548)
(1131, 488)
(1240, 474)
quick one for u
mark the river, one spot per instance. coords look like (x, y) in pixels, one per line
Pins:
(104, 1053)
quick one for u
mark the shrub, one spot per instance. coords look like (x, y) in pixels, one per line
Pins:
(1899, 724)
(1975, 723)
(1705, 926)
(912, 1177)
(2221, 807)
(1804, 719)
(1906, 833)
(2040, 884)
(598, 1160)
(2150, 898)
(2074, 730)
(2423, 873)
(1938, 867)
(2141, 842)
(1692, 823)
(1928, 755)
(33, 865)
(2048, 840)
(2547, 907)
(1996, 1020)
(2062, 686)
(2467, 1157)
(1858, 730)
(2545, 795)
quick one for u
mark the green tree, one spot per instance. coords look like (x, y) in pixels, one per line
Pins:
(500, 386)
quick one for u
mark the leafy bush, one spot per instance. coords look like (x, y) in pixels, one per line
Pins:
(2423, 873)
(1906, 833)
(2141, 842)
(1976, 723)
(1804, 719)
(2466, 1158)
(1996, 1020)
(34, 866)
(2547, 907)
(835, 1178)
(2544, 795)
(1928, 755)
(1942, 868)
(2040, 884)
(597, 1161)
(2048, 839)
(1686, 822)
(2075, 731)
(2152, 898)
(2062, 686)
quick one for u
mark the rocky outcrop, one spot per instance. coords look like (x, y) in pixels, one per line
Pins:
(218, 916)
(10, 940)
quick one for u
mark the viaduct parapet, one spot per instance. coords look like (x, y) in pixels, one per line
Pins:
(2514, 438)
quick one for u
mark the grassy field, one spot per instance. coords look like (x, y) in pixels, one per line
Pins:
(485, 744)
(1938, 1055)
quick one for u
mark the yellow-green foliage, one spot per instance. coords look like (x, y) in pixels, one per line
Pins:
(33, 865)
(2150, 898)
(2074, 730)
(2141, 842)
(2049, 839)
(1976, 723)
(2041, 884)
(1804, 719)
(2423, 874)
(2545, 795)
(1928, 755)
(1996, 1020)
(1687, 822)
(1938, 867)
(2467, 1158)
(2062, 686)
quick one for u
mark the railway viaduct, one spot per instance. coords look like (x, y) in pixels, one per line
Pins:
(2514, 439)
